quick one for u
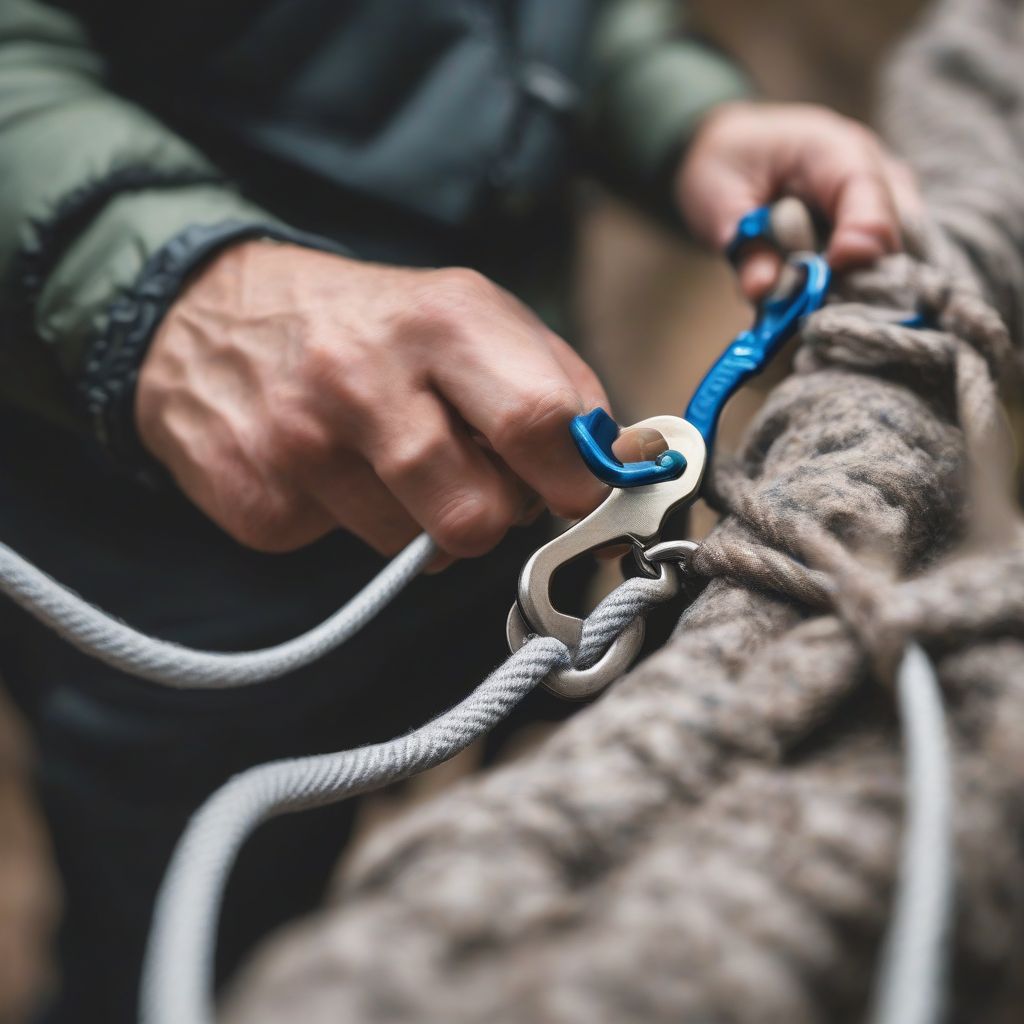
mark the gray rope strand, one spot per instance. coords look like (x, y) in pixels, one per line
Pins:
(179, 963)
(159, 661)
(910, 984)
(177, 985)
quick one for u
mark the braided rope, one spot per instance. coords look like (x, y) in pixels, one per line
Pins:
(159, 661)
(178, 974)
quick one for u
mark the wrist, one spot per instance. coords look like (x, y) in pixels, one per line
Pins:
(108, 385)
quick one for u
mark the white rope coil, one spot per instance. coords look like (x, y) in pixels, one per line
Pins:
(178, 977)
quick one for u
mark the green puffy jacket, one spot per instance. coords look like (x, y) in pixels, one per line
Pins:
(137, 139)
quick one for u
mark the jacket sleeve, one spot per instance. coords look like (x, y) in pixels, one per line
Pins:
(103, 213)
(652, 84)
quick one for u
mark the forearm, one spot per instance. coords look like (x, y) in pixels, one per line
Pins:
(653, 84)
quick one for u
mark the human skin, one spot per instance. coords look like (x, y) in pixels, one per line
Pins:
(748, 154)
(292, 392)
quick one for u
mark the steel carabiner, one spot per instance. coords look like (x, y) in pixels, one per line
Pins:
(646, 493)
(635, 515)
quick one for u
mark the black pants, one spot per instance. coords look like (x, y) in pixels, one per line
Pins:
(123, 763)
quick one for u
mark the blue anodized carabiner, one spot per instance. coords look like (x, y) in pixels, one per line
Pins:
(747, 355)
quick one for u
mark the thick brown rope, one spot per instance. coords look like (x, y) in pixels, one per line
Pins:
(715, 839)
(788, 550)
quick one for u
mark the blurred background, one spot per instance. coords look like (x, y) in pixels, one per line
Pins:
(655, 312)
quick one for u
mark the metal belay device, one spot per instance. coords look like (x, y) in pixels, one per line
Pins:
(646, 494)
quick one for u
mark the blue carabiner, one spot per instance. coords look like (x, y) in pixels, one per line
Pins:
(747, 355)
(751, 350)
(595, 432)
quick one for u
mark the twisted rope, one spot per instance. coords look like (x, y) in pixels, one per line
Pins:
(178, 975)
(159, 661)
(791, 552)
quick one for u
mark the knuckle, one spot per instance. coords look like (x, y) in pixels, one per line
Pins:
(411, 457)
(450, 296)
(468, 525)
(463, 284)
(265, 524)
(321, 360)
(536, 415)
(348, 377)
(297, 441)
(328, 367)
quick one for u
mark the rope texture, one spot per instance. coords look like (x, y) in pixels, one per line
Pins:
(911, 984)
(788, 547)
(159, 661)
(717, 838)
(178, 976)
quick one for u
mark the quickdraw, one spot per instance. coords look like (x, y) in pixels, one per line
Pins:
(646, 494)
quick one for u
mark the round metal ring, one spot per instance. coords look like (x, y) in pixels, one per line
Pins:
(582, 683)
(675, 551)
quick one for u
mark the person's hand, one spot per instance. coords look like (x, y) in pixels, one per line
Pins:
(291, 392)
(745, 155)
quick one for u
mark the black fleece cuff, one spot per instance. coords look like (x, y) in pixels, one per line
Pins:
(106, 387)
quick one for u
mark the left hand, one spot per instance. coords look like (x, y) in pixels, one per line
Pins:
(748, 154)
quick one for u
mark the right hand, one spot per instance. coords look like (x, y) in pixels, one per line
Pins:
(291, 392)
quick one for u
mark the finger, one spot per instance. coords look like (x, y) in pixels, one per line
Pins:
(355, 499)
(725, 204)
(582, 376)
(428, 461)
(903, 186)
(517, 395)
(864, 217)
(639, 444)
(714, 195)
(759, 272)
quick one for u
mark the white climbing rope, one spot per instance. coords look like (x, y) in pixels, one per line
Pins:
(178, 976)
(177, 986)
(910, 983)
(159, 661)
(177, 983)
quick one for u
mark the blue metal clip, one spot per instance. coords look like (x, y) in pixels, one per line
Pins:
(747, 355)
(755, 226)
(751, 350)
(595, 432)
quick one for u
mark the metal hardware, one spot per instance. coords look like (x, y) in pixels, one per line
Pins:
(634, 515)
(751, 350)
(583, 683)
(755, 226)
(678, 551)
(595, 432)
(647, 492)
